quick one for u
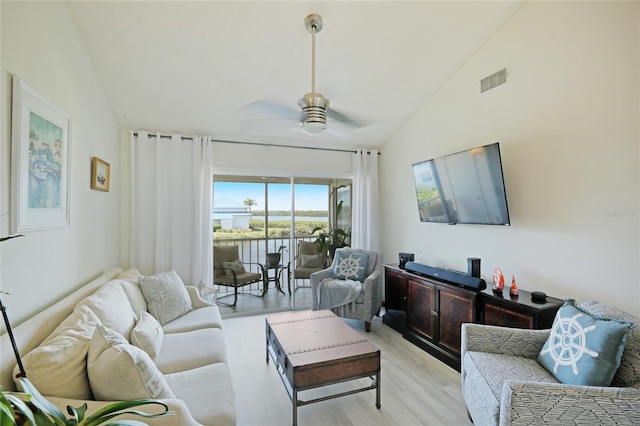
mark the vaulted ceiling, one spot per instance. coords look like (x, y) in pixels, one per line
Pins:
(199, 66)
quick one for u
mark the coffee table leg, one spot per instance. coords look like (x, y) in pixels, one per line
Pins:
(294, 401)
(378, 390)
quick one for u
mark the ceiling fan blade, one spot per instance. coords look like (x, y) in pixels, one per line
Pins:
(272, 107)
(347, 120)
(269, 125)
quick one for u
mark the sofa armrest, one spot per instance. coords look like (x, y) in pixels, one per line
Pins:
(557, 403)
(196, 299)
(502, 340)
(181, 417)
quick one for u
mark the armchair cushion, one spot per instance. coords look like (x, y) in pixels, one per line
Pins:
(350, 265)
(236, 266)
(311, 261)
(583, 349)
(628, 373)
(309, 248)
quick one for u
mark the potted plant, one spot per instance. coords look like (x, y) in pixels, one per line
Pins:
(273, 259)
(329, 241)
(31, 408)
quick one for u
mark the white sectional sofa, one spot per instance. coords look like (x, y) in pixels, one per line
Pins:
(89, 346)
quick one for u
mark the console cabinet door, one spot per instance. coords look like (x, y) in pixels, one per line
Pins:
(395, 290)
(455, 307)
(421, 307)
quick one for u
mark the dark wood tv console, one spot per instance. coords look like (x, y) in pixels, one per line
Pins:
(429, 312)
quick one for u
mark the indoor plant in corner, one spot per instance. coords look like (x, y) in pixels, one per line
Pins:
(329, 241)
(31, 408)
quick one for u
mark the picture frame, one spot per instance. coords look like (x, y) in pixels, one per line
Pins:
(100, 174)
(40, 134)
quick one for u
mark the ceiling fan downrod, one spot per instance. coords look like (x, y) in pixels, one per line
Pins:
(313, 106)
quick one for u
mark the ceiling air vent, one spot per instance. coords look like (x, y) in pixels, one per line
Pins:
(496, 79)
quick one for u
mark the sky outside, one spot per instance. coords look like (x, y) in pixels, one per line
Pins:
(308, 197)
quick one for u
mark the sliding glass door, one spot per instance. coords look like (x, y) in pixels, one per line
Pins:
(287, 225)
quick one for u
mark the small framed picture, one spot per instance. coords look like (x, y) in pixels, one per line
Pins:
(100, 174)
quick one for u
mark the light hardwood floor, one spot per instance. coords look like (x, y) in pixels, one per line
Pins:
(417, 389)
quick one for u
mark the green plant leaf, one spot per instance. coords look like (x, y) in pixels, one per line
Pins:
(56, 415)
(77, 412)
(16, 404)
(122, 407)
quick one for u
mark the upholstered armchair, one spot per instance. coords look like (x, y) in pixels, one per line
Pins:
(368, 300)
(503, 383)
(308, 260)
(230, 271)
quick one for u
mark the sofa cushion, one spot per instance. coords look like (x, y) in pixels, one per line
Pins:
(583, 349)
(196, 319)
(147, 334)
(120, 371)
(166, 296)
(350, 265)
(58, 365)
(111, 305)
(208, 393)
(628, 373)
(208, 347)
(129, 282)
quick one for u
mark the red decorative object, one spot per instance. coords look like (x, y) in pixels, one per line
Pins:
(498, 280)
(514, 286)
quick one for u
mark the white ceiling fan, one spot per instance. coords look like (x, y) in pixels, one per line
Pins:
(313, 107)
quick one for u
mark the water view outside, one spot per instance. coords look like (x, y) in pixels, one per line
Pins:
(239, 216)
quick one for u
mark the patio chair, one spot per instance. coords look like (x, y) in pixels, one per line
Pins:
(307, 261)
(230, 271)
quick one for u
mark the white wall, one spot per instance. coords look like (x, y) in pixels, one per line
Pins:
(41, 45)
(568, 126)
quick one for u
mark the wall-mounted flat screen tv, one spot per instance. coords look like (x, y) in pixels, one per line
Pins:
(465, 187)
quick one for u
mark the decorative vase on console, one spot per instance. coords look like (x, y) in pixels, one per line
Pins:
(514, 287)
(498, 281)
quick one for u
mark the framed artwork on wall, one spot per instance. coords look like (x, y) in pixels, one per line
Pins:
(39, 161)
(100, 174)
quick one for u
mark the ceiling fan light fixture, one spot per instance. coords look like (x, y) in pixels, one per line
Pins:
(313, 113)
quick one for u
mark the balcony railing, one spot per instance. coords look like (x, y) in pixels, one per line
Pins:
(254, 250)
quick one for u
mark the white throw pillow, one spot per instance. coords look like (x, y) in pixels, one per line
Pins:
(312, 261)
(120, 371)
(166, 296)
(111, 305)
(147, 334)
(236, 266)
(58, 366)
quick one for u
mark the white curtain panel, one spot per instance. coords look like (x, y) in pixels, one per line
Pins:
(364, 230)
(171, 206)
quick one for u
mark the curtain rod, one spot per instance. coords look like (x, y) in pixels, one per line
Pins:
(189, 138)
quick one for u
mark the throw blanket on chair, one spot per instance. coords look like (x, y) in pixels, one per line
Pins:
(333, 293)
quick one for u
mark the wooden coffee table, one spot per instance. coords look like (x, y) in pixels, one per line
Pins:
(316, 348)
